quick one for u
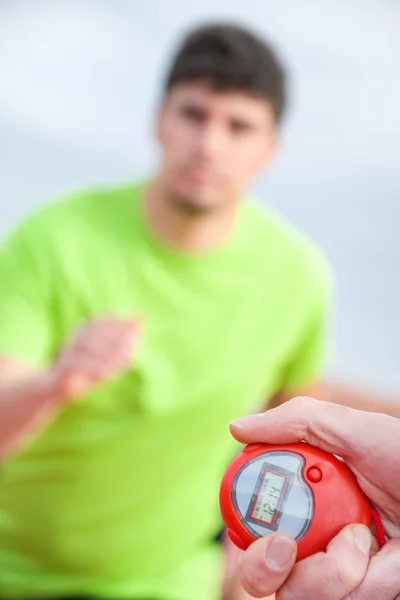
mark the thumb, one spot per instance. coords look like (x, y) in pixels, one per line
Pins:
(266, 564)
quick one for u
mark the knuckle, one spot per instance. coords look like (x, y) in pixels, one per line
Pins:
(254, 586)
(287, 593)
(303, 402)
(347, 574)
(254, 577)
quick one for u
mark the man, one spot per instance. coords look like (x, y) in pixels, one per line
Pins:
(352, 568)
(135, 323)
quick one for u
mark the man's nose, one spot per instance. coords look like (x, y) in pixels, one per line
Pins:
(211, 141)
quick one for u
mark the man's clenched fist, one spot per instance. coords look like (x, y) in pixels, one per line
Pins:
(100, 350)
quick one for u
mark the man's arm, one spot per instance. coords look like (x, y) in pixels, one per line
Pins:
(342, 393)
(361, 398)
(30, 399)
(26, 403)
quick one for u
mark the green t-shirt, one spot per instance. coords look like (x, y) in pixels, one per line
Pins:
(118, 497)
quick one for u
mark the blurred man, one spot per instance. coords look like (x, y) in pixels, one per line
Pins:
(135, 323)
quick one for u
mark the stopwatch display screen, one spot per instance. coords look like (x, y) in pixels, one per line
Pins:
(266, 504)
(269, 493)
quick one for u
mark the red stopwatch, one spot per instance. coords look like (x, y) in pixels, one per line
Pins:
(295, 488)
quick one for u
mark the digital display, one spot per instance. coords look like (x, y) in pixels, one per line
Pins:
(269, 497)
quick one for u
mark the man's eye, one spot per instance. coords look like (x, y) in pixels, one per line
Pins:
(194, 114)
(240, 127)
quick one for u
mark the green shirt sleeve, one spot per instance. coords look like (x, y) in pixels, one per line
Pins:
(310, 353)
(24, 315)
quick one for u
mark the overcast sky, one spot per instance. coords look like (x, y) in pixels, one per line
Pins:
(79, 83)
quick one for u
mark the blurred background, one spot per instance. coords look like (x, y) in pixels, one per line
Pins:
(79, 83)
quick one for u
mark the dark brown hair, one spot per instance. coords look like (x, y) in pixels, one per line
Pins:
(229, 57)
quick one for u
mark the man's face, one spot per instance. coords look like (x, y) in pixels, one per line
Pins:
(213, 144)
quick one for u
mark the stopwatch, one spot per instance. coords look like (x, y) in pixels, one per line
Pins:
(297, 489)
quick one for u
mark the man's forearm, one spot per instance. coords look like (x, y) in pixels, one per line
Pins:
(25, 408)
(343, 393)
(354, 397)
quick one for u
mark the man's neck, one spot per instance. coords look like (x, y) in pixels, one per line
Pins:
(189, 233)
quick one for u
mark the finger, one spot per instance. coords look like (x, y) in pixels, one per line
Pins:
(383, 576)
(96, 359)
(109, 331)
(331, 427)
(111, 352)
(266, 564)
(112, 320)
(333, 574)
(108, 342)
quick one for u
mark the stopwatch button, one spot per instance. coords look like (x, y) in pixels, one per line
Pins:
(233, 536)
(251, 447)
(314, 474)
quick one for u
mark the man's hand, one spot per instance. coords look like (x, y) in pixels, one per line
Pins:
(370, 445)
(29, 400)
(98, 352)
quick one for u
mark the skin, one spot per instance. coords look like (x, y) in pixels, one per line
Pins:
(352, 568)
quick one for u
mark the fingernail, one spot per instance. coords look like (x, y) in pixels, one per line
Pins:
(250, 421)
(362, 538)
(280, 554)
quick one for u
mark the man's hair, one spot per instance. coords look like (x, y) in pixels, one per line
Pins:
(230, 58)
